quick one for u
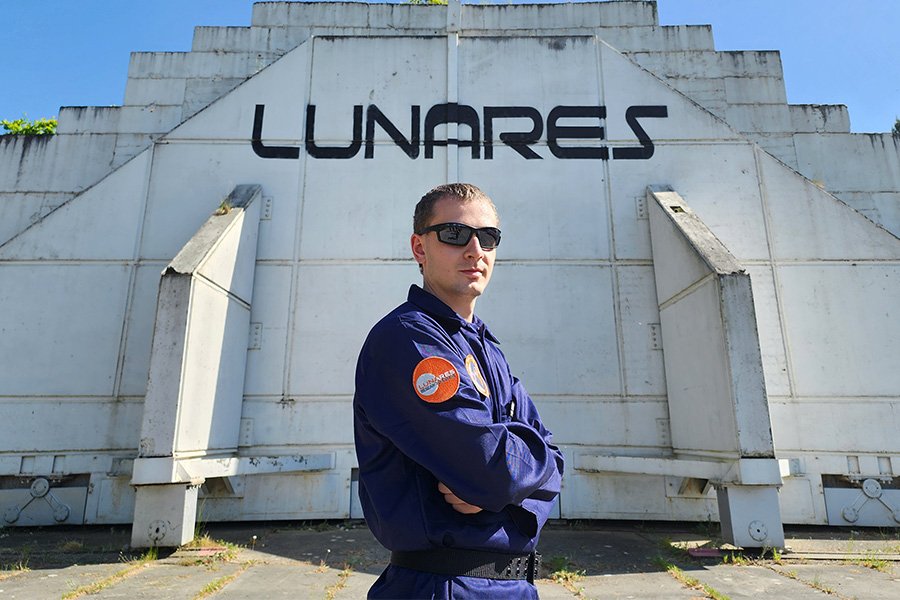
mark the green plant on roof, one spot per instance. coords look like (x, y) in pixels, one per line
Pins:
(24, 126)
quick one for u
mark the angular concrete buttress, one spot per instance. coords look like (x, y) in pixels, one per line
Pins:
(718, 408)
(192, 411)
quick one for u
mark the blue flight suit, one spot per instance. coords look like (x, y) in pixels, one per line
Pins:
(435, 402)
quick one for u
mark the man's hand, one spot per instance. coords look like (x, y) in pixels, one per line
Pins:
(458, 504)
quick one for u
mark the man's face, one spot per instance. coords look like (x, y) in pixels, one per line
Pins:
(456, 274)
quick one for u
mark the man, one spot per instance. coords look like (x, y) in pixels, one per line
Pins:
(457, 474)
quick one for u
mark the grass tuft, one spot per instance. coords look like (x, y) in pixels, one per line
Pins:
(688, 581)
(133, 566)
(216, 585)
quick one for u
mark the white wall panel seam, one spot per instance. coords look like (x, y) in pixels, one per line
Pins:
(772, 261)
(289, 345)
(132, 275)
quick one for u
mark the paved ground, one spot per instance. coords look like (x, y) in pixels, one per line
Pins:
(338, 561)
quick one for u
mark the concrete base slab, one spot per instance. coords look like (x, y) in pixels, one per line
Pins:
(355, 586)
(297, 560)
(53, 583)
(847, 581)
(550, 590)
(170, 581)
(752, 582)
(637, 586)
(281, 581)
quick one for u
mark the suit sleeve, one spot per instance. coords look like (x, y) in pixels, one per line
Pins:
(531, 515)
(488, 464)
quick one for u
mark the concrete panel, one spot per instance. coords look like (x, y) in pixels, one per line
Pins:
(642, 352)
(191, 180)
(331, 324)
(226, 39)
(755, 90)
(562, 340)
(653, 38)
(231, 118)
(374, 208)
(524, 16)
(695, 322)
(816, 424)
(819, 118)
(47, 313)
(807, 223)
(99, 224)
(842, 328)
(157, 65)
(857, 162)
(779, 145)
(683, 265)
(708, 93)
(20, 210)
(322, 495)
(227, 65)
(625, 85)
(200, 92)
(88, 119)
(718, 181)
(269, 312)
(303, 420)
(633, 425)
(736, 63)
(153, 118)
(485, 61)
(129, 145)
(759, 117)
(549, 209)
(771, 340)
(139, 332)
(40, 425)
(386, 73)
(230, 264)
(59, 163)
(882, 208)
(142, 91)
(596, 496)
(210, 411)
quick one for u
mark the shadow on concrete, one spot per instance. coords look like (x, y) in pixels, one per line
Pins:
(594, 547)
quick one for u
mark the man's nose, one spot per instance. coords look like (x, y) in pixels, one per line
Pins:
(473, 248)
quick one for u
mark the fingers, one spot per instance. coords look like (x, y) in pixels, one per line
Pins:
(457, 503)
(466, 509)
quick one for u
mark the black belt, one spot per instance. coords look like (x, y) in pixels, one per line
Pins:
(470, 563)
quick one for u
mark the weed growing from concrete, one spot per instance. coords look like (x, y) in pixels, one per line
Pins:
(331, 591)
(688, 581)
(13, 569)
(224, 551)
(216, 585)
(871, 561)
(562, 571)
(133, 566)
(815, 583)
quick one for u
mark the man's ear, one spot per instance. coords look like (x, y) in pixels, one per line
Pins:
(418, 248)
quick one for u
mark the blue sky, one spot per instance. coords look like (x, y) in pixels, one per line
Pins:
(75, 52)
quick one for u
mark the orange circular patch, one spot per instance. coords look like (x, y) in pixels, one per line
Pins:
(435, 379)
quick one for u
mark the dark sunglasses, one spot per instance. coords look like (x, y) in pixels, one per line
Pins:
(457, 234)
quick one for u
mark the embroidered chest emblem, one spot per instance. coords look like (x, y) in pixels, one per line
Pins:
(477, 377)
(435, 379)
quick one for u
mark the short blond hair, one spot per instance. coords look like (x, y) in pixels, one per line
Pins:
(464, 192)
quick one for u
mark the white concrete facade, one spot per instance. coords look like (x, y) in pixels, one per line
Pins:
(90, 217)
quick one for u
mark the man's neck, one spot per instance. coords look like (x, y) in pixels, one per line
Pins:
(463, 307)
